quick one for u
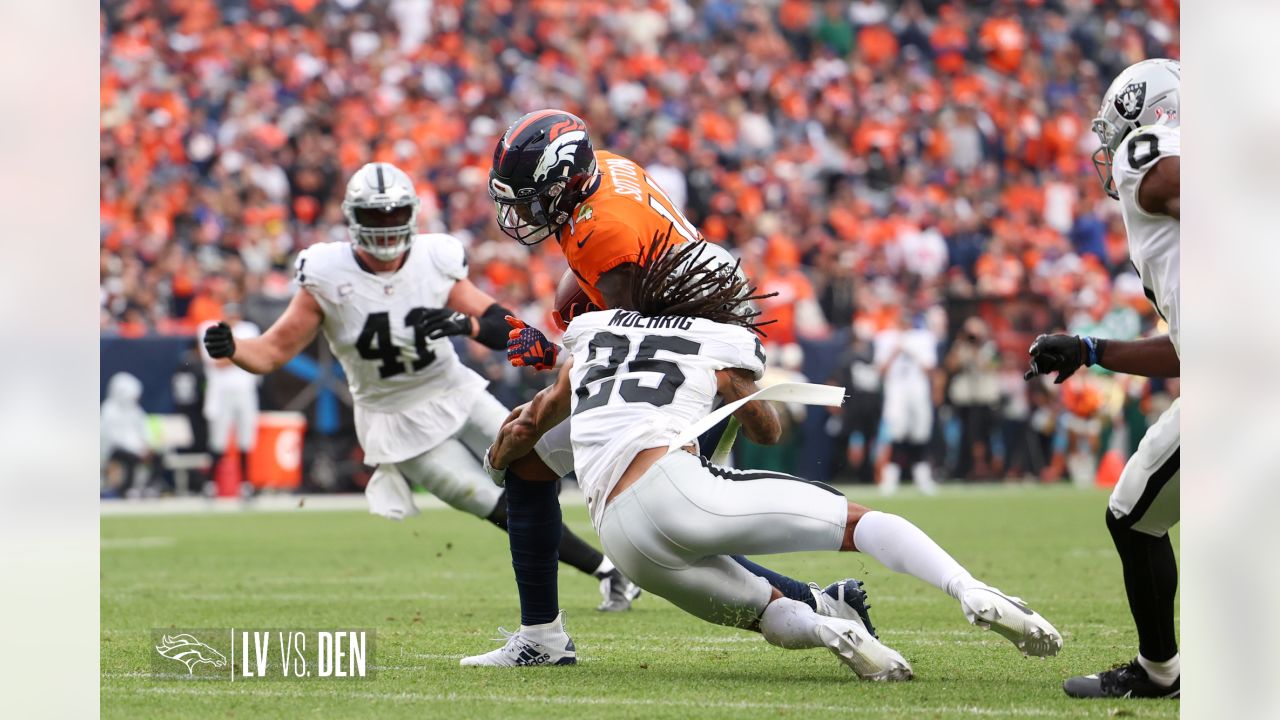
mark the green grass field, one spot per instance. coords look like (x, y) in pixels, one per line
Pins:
(436, 588)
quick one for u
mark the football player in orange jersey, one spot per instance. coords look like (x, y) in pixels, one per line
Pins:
(603, 210)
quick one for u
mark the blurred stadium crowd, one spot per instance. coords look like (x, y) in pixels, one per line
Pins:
(867, 160)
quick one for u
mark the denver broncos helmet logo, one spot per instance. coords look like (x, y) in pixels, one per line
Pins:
(560, 151)
(189, 651)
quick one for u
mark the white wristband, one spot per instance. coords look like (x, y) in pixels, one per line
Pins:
(499, 477)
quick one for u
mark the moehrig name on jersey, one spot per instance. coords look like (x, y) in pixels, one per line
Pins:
(630, 318)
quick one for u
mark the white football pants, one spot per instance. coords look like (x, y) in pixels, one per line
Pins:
(1148, 492)
(672, 532)
(452, 470)
(233, 409)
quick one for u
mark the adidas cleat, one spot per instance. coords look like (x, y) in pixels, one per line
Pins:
(869, 658)
(844, 599)
(553, 646)
(1009, 617)
(617, 592)
(1123, 681)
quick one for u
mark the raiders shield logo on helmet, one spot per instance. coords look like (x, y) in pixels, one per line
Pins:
(1129, 102)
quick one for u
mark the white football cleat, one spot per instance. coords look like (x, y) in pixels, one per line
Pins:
(1008, 616)
(538, 645)
(869, 658)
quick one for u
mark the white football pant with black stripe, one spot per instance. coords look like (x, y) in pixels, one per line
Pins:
(1146, 497)
(673, 530)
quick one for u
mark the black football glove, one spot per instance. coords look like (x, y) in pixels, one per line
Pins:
(1055, 353)
(219, 342)
(442, 322)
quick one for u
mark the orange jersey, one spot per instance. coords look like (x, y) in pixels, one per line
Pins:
(616, 223)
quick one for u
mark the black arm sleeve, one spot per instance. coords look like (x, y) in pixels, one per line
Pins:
(494, 329)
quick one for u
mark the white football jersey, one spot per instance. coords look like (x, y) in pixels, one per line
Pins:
(638, 382)
(1153, 239)
(410, 392)
(909, 371)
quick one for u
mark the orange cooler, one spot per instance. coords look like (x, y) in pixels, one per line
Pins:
(276, 461)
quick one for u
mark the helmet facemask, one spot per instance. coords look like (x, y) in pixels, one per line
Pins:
(384, 230)
(1110, 137)
(532, 219)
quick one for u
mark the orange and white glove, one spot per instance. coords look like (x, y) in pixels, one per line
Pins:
(529, 347)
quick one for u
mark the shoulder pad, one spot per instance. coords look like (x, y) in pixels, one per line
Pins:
(316, 267)
(584, 324)
(1139, 152)
(447, 254)
(735, 346)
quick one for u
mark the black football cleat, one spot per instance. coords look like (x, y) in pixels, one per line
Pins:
(1122, 681)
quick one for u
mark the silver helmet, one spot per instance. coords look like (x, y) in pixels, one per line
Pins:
(1146, 93)
(381, 207)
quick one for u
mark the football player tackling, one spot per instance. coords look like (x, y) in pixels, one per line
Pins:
(387, 303)
(1139, 166)
(602, 209)
(637, 378)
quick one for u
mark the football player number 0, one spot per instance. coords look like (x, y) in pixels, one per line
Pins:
(375, 343)
(1143, 149)
(630, 390)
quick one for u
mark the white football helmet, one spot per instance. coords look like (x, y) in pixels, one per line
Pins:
(381, 206)
(706, 258)
(1146, 93)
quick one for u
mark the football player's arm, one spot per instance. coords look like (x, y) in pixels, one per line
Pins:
(1150, 357)
(287, 337)
(471, 312)
(1159, 192)
(615, 286)
(1064, 354)
(759, 419)
(521, 432)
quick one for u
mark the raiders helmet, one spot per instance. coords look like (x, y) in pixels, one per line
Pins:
(1146, 93)
(542, 167)
(381, 207)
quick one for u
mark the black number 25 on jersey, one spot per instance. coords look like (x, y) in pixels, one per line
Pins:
(618, 347)
(375, 343)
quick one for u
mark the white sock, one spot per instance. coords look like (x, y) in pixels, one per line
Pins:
(546, 631)
(889, 479)
(1163, 673)
(922, 474)
(790, 624)
(903, 547)
(606, 566)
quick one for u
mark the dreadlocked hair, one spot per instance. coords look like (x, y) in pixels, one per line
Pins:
(678, 280)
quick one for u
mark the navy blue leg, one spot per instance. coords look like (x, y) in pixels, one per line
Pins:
(790, 587)
(533, 526)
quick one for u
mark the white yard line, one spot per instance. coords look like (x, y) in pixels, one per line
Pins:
(138, 543)
(313, 691)
(571, 497)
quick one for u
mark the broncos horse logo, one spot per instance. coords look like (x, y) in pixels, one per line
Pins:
(189, 651)
(559, 151)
